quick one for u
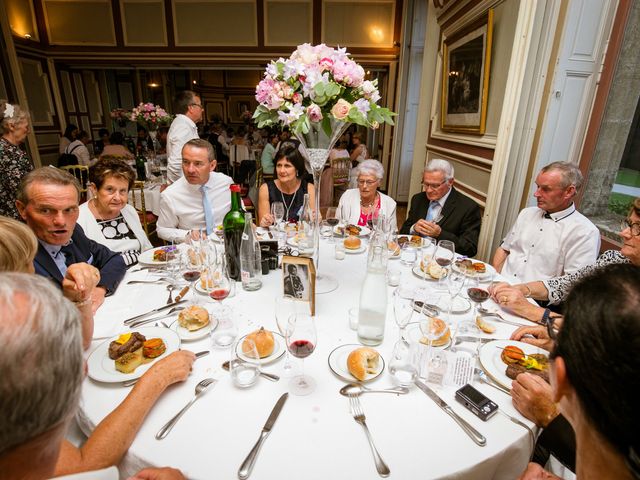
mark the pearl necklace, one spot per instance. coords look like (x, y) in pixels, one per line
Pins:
(370, 204)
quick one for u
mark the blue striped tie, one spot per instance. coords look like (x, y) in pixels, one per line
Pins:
(208, 211)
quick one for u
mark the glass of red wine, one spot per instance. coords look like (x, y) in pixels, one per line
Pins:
(444, 256)
(220, 284)
(301, 338)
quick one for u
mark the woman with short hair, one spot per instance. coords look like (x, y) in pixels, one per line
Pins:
(360, 205)
(107, 218)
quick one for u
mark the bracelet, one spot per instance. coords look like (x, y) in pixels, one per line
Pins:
(528, 294)
(82, 303)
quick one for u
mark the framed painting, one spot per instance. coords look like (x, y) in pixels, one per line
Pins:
(466, 58)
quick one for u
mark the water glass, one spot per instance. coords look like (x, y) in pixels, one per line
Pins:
(340, 251)
(404, 363)
(408, 254)
(393, 276)
(353, 318)
(226, 332)
(244, 369)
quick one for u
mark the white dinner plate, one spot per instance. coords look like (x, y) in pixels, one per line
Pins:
(189, 336)
(490, 271)
(491, 362)
(420, 274)
(338, 363)
(354, 251)
(364, 231)
(146, 257)
(279, 347)
(103, 369)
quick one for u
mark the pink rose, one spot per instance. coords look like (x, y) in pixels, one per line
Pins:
(341, 109)
(326, 64)
(296, 98)
(314, 113)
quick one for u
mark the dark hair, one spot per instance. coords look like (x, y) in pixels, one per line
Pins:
(69, 130)
(116, 138)
(292, 155)
(82, 134)
(111, 167)
(599, 342)
(183, 100)
(102, 132)
(141, 129)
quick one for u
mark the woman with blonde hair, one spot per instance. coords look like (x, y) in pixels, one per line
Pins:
(14, 162)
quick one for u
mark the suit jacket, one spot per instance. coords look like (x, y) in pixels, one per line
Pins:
(82, 249)
(460, 222)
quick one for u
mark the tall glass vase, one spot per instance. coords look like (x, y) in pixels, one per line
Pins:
(316, 145)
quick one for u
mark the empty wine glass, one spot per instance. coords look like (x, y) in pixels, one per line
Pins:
(286, 306)
(277, 210)
(455, 282)
(402, 308)
(301, 341)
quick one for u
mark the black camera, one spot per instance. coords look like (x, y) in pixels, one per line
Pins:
(475, 401)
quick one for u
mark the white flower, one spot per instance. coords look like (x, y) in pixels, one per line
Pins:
(292, 68)
(362, 104)
(294, 113)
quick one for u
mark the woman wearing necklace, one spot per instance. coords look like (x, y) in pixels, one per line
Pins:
(107, 218)
(360, 205)
(289, 188)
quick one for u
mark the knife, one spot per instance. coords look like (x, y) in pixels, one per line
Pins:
(155, 310)
(476, 436)
(249, 462)
(182, 293)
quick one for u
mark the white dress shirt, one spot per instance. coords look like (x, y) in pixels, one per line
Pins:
(541, 248)
(181, 206)
(181, 131)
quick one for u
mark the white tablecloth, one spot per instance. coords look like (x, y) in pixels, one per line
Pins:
(151, 198)
(315, 437)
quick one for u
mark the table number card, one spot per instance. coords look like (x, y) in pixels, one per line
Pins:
(299, 279)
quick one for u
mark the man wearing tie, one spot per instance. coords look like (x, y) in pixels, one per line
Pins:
(197, 201)
(553, 238)
(441, 212)
(48, 202)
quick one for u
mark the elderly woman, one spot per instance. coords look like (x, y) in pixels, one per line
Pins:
(13, 160)
(365, 203)
(555, 290)
(593, 374)
(107, 218)
(18, 247)
(288, 188)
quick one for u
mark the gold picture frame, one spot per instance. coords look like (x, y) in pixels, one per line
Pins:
(466, 60)
(299, 279)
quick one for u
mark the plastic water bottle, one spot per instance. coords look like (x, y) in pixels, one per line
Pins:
(250, 257)
(373, 299)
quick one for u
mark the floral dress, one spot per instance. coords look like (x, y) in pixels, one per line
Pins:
(14, 164)
(559, 287)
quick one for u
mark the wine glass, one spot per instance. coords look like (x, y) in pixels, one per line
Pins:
(331, 218)
(220, 283)
(402, 308)
(191, 267)
(403, 364)
(286, 306)
(301, 340)
(277, 210)
(455, 282)
(444, 256)
(432, 329)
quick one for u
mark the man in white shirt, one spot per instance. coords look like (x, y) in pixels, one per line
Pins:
(553, 238)
(199, 200)
(183, 128)
(79, 148)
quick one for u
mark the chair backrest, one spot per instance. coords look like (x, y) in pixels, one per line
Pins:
(81, 172)
(341, 168)
(136, 198)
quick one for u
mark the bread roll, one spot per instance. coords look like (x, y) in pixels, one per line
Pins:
(441, 328)
(485, 326)
(264, 343)
(352, 243)
(193, 318)
(128, 362)
(363, 361)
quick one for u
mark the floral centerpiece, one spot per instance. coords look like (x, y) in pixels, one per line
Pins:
(120, 115)
(150, 116)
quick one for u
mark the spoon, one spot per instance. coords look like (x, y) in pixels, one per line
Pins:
(171, 288)
(268, 376)
(355, 389)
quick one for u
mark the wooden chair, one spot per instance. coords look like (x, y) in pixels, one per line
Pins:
(147, 218)
(340, 167)
(81, 173)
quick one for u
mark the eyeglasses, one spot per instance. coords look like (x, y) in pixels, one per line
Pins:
(196, 105)
(433, 186)
(367, 182)
(634, 227)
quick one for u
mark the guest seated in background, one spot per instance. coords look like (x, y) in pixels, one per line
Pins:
(594, 377)
(289, 187)
(18, 247)
(67, 137)
(441, 212)
(40, 393)
(78, 148)
(163, 133)
(553, 238)
(48, 202)
(14, 162)
(268, 155)
(199, 199)
(362, 205)
(359, 152)
(143, 140)
(116, 148)
(103, 140)
(107, 218)
(555, 290)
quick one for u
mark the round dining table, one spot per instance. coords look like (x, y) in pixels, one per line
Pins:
(315, 436)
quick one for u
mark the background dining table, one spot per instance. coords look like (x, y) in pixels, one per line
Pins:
(315, 436)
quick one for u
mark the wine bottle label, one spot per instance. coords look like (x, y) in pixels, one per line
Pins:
(245, 236)
(245, 276)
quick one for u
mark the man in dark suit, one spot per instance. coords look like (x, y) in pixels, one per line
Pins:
(48, 203)
(441, 212)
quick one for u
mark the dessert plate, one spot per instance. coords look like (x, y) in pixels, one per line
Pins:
(338, 364)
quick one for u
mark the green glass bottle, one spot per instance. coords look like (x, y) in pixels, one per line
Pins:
(233, 226)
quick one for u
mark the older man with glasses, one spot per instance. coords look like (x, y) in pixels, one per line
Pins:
(443, 213)
(183, 128)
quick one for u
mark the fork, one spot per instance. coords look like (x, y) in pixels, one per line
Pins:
(358, 416)
(200, 388)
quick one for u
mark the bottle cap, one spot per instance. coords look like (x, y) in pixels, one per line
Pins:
(234, 187)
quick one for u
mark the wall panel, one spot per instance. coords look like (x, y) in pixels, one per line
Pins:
(143, 23)
(38, 89)
(288, 22)
(79, 22)
(358, 23)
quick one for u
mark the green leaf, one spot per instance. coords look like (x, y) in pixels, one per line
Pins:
(326, 125)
